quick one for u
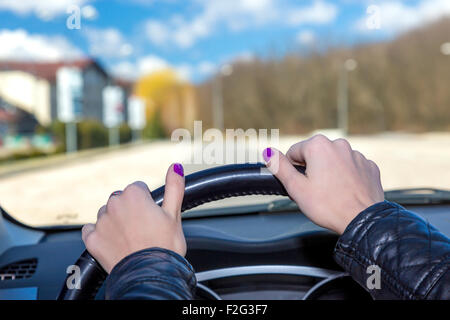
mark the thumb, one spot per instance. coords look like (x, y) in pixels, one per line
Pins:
(174, 190)
(280, 166)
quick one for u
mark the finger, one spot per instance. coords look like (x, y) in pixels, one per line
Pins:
(295, 155)
(101, 211)
(343, 144)
(141, 185)
(282, 168)
(86, 231)
(299, 152)
(136, 191)
(174, 190)
(359, 155)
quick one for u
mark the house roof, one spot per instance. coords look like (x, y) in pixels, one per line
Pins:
(6, 116)
(124, 83)
(47, 70)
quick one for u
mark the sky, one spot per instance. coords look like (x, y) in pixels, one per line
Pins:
(196, 37)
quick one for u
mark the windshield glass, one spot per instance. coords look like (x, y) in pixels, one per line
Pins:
(97, 94)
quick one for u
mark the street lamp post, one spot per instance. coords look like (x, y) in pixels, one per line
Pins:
(71, 136)
(217, 97)
(114, 136)
(348, 66)
(217, 104)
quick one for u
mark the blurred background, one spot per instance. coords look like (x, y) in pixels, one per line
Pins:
(91, 90)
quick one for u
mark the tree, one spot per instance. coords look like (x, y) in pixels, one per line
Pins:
(170, 101)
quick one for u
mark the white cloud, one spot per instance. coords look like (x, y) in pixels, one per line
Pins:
(151, 63)
(44, 9)
(237, 14)
(306, 37)
(396, 16)
(186, 35)
(184, 72)
(20, 45)
(125, 70)
(245, 56)
(156, 31)
(319, 13)
(107, 42)
(142, 66)
(206, 68)
(89, 12)
(234, 15)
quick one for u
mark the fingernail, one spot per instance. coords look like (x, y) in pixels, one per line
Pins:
(178, 168)
(267, 153)
(115, 193)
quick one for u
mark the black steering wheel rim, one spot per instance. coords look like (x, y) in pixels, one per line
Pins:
(200, 187)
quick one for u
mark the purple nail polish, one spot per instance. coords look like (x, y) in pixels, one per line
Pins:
(178, 168)
(267, 153)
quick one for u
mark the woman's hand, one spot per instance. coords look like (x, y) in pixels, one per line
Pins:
(339, 182)
(131, 221)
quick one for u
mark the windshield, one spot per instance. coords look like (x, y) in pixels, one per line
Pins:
(97, 94)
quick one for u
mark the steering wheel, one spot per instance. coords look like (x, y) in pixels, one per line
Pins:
(200, 187)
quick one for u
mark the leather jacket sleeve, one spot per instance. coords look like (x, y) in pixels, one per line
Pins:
(412, 257)
(153, 273)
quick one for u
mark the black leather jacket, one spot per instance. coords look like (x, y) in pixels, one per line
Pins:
(412, 258)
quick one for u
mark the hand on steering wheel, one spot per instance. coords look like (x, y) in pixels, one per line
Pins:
(338, 184)
(200, 187)
(131, 221)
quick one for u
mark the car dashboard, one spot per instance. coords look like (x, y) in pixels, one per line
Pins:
(277, 255)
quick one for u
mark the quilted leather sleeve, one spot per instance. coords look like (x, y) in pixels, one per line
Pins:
(412, 256)
(154, 273)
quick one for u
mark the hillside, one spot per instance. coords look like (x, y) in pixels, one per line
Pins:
(401, 85)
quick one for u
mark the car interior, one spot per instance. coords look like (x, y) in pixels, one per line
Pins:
(100, 96)
(261, 251)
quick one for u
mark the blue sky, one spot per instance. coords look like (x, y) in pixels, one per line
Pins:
(134, 37)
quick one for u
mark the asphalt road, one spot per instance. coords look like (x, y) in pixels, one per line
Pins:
(70, 191)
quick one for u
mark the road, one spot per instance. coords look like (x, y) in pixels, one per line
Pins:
(70, 192)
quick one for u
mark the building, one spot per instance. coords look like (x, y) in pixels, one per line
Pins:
(15, 120)
(32, 87)
(127, 87)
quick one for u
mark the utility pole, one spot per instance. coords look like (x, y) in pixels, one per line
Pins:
(343, 114)
(71, 136)
(114, 136)
(136, 135)
(217, 103)
(217, 97)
